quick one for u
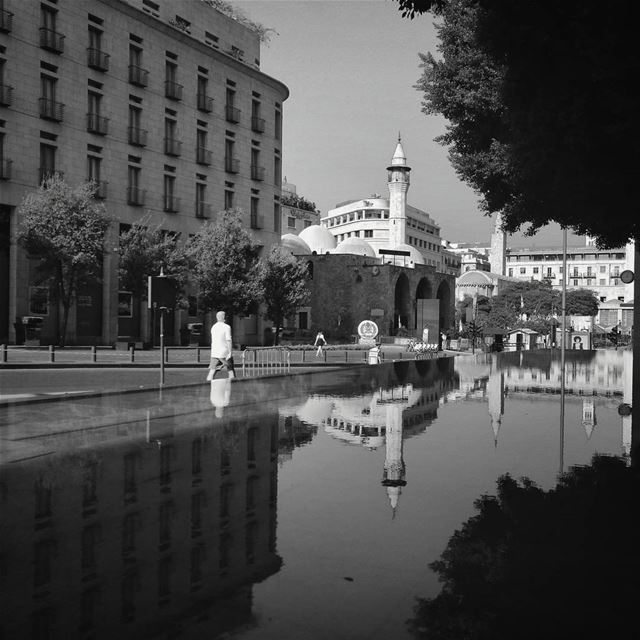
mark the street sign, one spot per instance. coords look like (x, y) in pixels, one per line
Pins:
(161, 292)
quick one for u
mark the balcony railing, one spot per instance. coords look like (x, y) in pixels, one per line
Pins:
(231, 165)
(257, 124)
(203, 209)
(205, 103)
(51, 110)
(97, 59)
(171, 204)
(51, 40)
(257, 173)
(232, 114)
(257, 221)
(172, 90)
(137, 136)
(172, 147)
(101, 188)
(5, 169)
(138, 76)
(97, 124)
(203, 156)
(6, 95)
(46, 173)
(136, 196)
(6, 20)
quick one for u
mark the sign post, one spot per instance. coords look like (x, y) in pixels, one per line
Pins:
(161, 296)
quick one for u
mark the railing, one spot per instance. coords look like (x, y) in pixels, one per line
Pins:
(97, 124)
(6, 95)
(261, 360)
(137, 136)
(51, 40)
(172, 147)
(203, 209)
(172, 90)
(257, 173)
(203, 156)
(97, 59)
(171, 204)
(232, 114)
(51, 110)
(138, 75)
(205, 103)
(6, 20)
(257, 124)
(231, 165)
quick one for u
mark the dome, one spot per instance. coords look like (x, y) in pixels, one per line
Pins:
(475, 278)
(318, 238)
(414, 255)
(295, 244)
(356, 246)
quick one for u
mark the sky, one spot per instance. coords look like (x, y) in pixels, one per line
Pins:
(351, 67)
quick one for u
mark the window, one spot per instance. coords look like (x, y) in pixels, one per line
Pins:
(523, 270)
(231, 164)
(536, 270)
(256, 219)
(232, 114)
(47, 161)
(257, 122)
(368, 233)
(257, 172)
(135, 195)
(172, 89)
(96, 123)
(202, 209)
(137, 135)
(170, 200)
(49, 38)
(172, 145)
(205, 102)
(510, 272)
(228, 198)
(96, 57)
(50, 109)
(575, 283)
(203, 155)
(5, 164)
(278, 123)
(277, 210)
(94, 166)
(137, 75)
(277, 170)
(291, 222)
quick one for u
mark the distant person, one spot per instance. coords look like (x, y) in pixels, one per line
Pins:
(221, 348)
(319, 342)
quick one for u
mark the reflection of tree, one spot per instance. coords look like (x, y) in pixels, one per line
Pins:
(536, 564)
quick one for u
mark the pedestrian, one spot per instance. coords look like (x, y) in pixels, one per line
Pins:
(221, 348)
(319, 342)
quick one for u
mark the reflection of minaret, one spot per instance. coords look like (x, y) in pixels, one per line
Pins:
(588, 416)
(498, 254)
(495, 397)
(394, 470)
(398, 180)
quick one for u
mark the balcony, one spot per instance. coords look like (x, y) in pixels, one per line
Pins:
(203, 156)
(46, 173)
(171, 204)
(51, 40)
(6, 95)
(257, 124)
(172, 90)
(97, 59)
(172, 147)
(5, 169)
(137, 136)
(136, 196)
(51, 110)
(232, 114)
(138, 76)
(257, 173)
(97, 124)
(203, 209)
(6, 21)
(205, 103)
(101, 188)
(257, 222)
(231, 165)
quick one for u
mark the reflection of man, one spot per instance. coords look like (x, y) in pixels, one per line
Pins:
(220, 395)
(221, 355)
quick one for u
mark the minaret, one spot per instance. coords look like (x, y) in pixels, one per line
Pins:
(498, 255)
(398, 181)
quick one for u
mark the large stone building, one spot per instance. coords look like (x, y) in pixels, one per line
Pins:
(164, 105)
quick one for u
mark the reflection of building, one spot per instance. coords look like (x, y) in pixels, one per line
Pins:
(167, 113)
(138, 532)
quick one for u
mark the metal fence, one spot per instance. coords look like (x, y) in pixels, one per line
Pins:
(261, 360)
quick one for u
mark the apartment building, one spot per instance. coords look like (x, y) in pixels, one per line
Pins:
(297, 212)
(164, 106)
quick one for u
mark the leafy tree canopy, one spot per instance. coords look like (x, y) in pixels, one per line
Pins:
(542, 122)
(224, 264)
(64, 228)
(283, 279)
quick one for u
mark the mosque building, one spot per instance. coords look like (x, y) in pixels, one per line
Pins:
(377, 259)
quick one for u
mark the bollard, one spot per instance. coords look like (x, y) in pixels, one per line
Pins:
(132, 351)
(4, 352)
(198, 355)
(52, 353)
(94, 354)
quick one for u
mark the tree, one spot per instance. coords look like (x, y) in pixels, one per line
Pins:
(64, 228)
(283, 279)
(542, 123)
(581, 302)
(224, 264)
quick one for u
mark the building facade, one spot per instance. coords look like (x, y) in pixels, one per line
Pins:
(297, 212)
(167, 112)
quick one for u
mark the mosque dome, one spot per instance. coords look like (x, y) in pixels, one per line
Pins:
(355, 246)
(318, 238)
(476, 279)
(296, 245)
(414, 255)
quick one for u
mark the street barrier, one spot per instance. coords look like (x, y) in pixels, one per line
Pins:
(261, 360)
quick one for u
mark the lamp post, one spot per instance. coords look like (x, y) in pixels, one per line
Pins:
(562, 344)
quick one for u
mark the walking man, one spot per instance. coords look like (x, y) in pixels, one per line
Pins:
(221, 347)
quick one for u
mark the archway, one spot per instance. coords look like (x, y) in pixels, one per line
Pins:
(402, 305)
(423, 307)
(446, 306)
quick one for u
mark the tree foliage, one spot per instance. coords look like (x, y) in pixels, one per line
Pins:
(144, 250)
(64, 228)
(542, 123)
(283, 280)
(223, 261)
